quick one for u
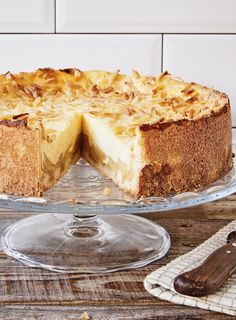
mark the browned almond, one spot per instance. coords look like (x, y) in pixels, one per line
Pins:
(115, 74)
(125, 95)
(131, 95)
(53, 92)
(165, 73)
(135, 74)
(9, 75)
(192, 99)
(95, 89)
(130, 111)
(68, 70)
(22, 116)
(30, 91)
(188, 89)
(38, 90)
(179, 106)
(189, 92)
(47, 72)
(107, 90)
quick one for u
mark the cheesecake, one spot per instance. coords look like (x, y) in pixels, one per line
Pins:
(152, 135)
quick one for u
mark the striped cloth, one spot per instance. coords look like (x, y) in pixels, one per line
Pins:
(160, 282)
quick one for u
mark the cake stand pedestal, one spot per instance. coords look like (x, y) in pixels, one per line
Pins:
(95, 233)
(69, 243)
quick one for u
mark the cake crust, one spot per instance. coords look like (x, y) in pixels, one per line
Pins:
(185, 155)
(19, 159)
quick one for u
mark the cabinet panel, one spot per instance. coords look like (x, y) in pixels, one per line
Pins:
(207, 59)
(110, 52)
(169, 16)
(26, 16)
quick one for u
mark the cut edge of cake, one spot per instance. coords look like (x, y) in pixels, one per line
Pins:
(33, 159)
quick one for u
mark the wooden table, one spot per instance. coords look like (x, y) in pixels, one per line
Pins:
(27, 293)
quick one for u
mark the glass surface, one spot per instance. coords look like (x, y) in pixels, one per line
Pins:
(81, 192)
(79, 236)
(65, 243)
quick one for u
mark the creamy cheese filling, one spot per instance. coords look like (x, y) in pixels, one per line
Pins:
(121, 158)
(60, 136)
(60, 147)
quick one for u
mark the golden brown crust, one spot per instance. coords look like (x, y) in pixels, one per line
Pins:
(14, 123)
(19, 159)
(185, 155)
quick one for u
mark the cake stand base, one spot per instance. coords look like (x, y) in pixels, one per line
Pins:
(68, 243)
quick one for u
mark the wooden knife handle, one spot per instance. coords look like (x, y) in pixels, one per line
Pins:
(210, 275)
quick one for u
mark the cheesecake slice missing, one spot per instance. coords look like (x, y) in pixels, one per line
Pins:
(151, 135)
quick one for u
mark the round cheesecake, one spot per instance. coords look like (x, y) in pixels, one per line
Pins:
(152, 135)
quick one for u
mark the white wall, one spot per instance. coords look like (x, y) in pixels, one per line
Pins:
(195, 39)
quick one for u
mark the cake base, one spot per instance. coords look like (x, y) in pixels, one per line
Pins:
(69, 244)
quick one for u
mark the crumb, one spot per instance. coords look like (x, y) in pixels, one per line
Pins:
(188, 244)
(73, 200)
(107, 191)
(85, 316)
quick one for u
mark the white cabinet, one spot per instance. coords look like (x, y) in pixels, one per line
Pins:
(160, 16)
(110, 52)
(207, 59)
(26, 16)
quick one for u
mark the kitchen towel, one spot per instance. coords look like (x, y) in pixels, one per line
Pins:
(160, 282)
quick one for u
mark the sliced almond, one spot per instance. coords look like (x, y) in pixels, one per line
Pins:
(107, 90)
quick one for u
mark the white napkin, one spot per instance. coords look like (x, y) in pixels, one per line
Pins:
(160, 282)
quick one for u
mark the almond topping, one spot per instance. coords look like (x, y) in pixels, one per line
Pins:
(107, 90)
(130, 111)
(9, 75)
(131, 96)
(163, 94)
(192, 99)
(30, 91)
(95, 89)
(135, 74)
(126, 96)
(22, 116)
(165, 73)
(114, 76)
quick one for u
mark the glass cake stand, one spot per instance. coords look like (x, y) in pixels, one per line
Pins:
(86, 224)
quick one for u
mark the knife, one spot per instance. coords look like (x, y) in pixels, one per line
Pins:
(212, 273)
